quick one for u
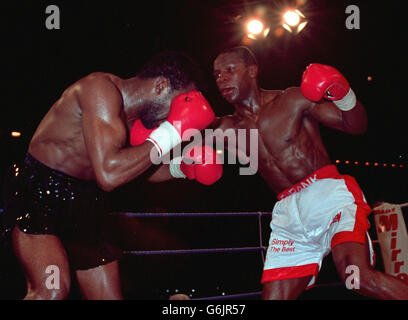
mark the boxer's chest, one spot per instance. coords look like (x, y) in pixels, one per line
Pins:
(272, 132)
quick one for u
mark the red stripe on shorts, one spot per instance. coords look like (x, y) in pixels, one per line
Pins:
(291, 273)
(361, 223)
(329, 171)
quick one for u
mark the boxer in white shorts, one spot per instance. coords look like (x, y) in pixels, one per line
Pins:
(319, 209)
(316, 214)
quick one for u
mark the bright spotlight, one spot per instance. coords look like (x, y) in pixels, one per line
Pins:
(294, 21)
(291, 18)
(255, 27)
(15, 134)
(301, 26)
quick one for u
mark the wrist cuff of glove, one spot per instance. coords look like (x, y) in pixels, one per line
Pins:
(348, 102)
(165, 138)
(175, 169)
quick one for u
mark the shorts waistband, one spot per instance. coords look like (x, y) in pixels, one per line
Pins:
(30, 161)
(329, 171)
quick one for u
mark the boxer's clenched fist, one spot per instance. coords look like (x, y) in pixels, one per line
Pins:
(200, 163)
(187, 111)
(320, 81)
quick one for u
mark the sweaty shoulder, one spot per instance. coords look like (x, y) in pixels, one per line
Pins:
(225, 122)
(98, 88)
(289, 99)
(295, 97)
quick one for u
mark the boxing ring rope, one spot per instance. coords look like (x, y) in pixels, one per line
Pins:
(261, 248)
(189, 214)
(193, 251)
(198, 214)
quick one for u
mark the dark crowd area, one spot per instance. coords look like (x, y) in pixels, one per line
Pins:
(118, 37)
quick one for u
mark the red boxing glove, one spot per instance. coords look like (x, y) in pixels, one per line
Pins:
(139, 133)
(320, 81)
(203, 165)
(187, 111)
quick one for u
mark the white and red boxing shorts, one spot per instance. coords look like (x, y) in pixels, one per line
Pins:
(310, 218)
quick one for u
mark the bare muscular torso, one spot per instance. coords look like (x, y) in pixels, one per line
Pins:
(289, 143)
(59, 141)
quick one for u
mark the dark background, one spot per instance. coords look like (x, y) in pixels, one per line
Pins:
(118, 37)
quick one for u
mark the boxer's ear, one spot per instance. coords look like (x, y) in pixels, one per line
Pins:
(161, 85)
(253, 71)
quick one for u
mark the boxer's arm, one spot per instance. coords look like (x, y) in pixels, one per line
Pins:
(162, 174)
(335, 103)
(353, 121)
(327, 113)
(220, 129)
(105, 135)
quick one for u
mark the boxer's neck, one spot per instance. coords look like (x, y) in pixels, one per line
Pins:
(251, 104)
(136, 93)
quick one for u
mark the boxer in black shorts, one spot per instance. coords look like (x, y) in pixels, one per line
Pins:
(44, 201)
(54, 201)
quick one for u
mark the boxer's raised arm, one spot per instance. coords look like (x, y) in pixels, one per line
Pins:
(105, 135)
(341, 110)
(353, 121)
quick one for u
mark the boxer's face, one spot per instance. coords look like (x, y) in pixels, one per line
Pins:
(157, 109)
(231, 76)
(153, 114)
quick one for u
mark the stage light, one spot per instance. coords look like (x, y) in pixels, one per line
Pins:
(291, 18)
(294, 21)
(15, 134)
(266, 32)
(301, 26)
(256, 29)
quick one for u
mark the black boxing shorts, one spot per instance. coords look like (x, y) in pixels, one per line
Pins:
(42, 201)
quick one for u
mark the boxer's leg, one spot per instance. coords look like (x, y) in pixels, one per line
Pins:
(372, 283)
(36, 253)
(100, 283)
(287, 289)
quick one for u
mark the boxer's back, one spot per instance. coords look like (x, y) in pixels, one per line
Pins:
(58, 141)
